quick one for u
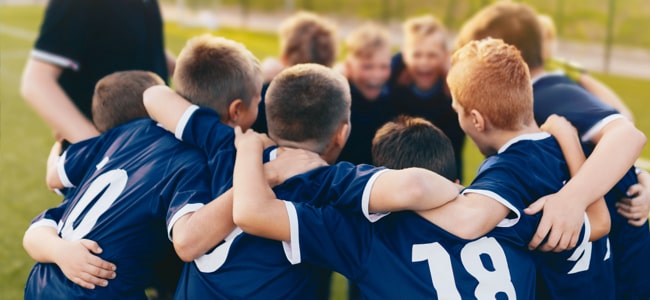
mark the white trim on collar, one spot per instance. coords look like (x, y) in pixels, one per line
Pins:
(527, 136)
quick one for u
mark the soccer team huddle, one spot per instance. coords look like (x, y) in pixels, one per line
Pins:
(263, 195)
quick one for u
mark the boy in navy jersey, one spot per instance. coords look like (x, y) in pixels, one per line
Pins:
(224, 78)
(417, 80)
(368, 68)
(439, 252)
(108, 236)
(249, 266)
(414, 142)
(613, 141)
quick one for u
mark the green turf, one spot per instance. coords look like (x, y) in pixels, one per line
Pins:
(25, 140)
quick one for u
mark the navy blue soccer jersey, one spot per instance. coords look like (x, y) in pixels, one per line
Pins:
(403, 256)
(124, 182)
(525, 169)
(242, 266)
(557, 94)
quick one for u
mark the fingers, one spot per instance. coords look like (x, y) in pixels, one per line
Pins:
(92, 246)
(637, 222)
(536, 207)
(540, 234)
(626, 209)
(634, 190)
(552, 242)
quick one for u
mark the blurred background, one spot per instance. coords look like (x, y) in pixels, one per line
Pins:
(609, 38)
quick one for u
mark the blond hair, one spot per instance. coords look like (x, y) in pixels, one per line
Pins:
(491, 77)
(214, 71)
(367, 40)
(418, 27)
(308, 38)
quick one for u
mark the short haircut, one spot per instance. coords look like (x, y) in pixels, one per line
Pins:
(214, 71)
(118, 98)
(414, 142)
(307, 103)
(417, 28)
(491, 77)
(367, 40)
(514, 23)
(308, 38)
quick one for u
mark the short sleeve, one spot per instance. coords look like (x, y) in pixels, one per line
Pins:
(188, 191)
(328, 237)
(583, 110)
(75, 162)
(64, 31)
(350, 187)
(50, 217)
(202, 128)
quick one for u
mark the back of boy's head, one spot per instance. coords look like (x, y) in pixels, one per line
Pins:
(308, 38)
(367, 40)
(416, 28)
(307, 103)
(491, 77)
(214, 71)
(515, 23)
(118, 98)
(414, 142)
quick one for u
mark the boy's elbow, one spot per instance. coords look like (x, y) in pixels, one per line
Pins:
(600, 229)
(185, 248)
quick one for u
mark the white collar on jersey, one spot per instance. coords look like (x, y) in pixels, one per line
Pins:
(527, 136)
(546, 74)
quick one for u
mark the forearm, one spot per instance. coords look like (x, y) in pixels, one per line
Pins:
(42, 244)
(43, 93)
(256, 209)
(196, 233)
(607, 164)
(469, 216)
(410, 189)
(52, 175)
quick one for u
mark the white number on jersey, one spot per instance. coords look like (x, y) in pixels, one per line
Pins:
(490, 282)
(212, 261)
(113, 182)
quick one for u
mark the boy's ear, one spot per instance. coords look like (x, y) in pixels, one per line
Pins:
(234, 110)
(478, 121)
(342, 134)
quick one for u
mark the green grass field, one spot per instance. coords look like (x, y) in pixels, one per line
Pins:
(25, 140)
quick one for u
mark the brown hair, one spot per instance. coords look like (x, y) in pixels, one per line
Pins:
(414, 142)
(308, 38)
(307, 102)
(367, 40)
(214, 71)
(118, 98)
(492, 78)
(514, 23)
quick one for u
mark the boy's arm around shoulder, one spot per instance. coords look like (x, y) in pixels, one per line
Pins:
(256, 210)
(78, 260)
(410, 189)
(165, 106)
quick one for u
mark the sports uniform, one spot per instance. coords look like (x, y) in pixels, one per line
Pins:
(554, 93)
(125, 180)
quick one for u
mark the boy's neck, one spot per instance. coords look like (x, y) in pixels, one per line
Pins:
(499, 137)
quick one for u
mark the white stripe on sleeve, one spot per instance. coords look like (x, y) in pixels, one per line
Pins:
(182, 123)
(292, 248)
